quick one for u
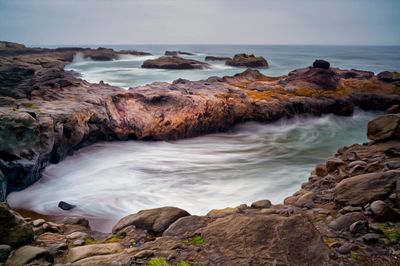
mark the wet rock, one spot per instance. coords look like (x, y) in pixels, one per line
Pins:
(384, 127)
(343, 222)
(187, 225)
(4, 252)
(78, 253)
(333, 164)
(371, 238)
(173, 62)
(26, 254)
(361, 189)
(216, 58)
(383, 212)
(359, 227)
(156, 220)
(65, 206)
(261, 204)
(245, 60)
(14, 231)
(76, 220)
(394, 109)
(319, 63)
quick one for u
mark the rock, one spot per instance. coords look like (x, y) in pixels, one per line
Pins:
(78, 242)
(359, 227)
(216, 58)
(389, 76)
(254, 240)
(177, 53)
(173, 62)
(76, 220)
(76, 235)
(319, 63)
(348, 209)
(78, 253)
(156, 220)
(394, 109)
(3, 187)
(261, 204)
(397, 191)
(320, 170)
(11, 45)
(222, 212)
(384, 127)
(362, 189)
(332, 164)
(371, 238)
(393, 165)
(4, 252)
(38, 222)
(186, 225)
(245, 60)
(384, 212)
(358, 162)
(65, 206)
(346, 248)
(315, 78)
(26, 254)
(144, 254)
(14, 231)
(306, 200)
(342, 223)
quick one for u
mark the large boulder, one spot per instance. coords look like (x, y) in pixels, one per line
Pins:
(245, 60)
(26, 254)
(265, 240)
(187, 225)
(14, 231)
(343, 222)
(384, 127)
(156, 220)
(365, 188)
(79, 253)
(312, 78)
(173, 62)
(319, 63)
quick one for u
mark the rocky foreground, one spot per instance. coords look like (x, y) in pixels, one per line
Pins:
(347, 213)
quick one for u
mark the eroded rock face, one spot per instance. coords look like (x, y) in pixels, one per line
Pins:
(384, 127)
(245, 60)
(173, 62)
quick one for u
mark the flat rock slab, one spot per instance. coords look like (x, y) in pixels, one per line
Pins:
(25, 254)
(79, 253)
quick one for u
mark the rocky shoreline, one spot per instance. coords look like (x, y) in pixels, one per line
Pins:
(346, 213)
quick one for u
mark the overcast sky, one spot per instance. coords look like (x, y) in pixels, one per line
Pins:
(200, 21)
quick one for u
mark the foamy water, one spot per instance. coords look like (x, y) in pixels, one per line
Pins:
(253, 161)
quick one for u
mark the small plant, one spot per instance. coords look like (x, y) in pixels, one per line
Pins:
(196, 240)
(90, 240)
(391, 231)
(353, 256)
(115, 238)
(183, 263)
(158, 261)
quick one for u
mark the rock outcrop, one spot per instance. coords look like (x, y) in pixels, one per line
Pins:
(177, 53)
(245, 60)
(173, 62)
(216, 58)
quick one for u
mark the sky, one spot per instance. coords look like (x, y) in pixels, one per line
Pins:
(68, 22)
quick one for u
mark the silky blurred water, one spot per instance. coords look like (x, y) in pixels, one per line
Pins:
(252, 161)
(126, 72)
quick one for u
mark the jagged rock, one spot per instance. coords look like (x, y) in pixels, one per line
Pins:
(319, 63)
(384, 127)
(261, 244)
(65, 206)
(245, 60)
(384, 212)
(4, 252)
(333, 164)
(14, 231)
(343, 222)
(261, 204)
(26, 254)
(313, 78)
(216, 58)
(79, 253)
(156, 220)
(362, 189)
(187, 225)
(173, 62)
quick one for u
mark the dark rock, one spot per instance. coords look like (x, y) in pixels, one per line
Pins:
(371, 238)
(384, 127)
(333, 164)
(361, 189)
(65, 206)
(394, 109)
(313, 78)
(75, 220)
(4, 252)
(346, 248)
(133, 52)
(177, 53)
(156, 220)
(306, 200)
(343, 222)
(216, 58)
(245, 60)
(173, 62)
(359, 227)
(389, 76)
(3, 187)
(383, 212)
(14, 231)
(261, 204)
(319, 63)
(393, 165)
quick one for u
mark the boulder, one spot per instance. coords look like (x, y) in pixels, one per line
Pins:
(261, 204)
(312, 78)
(223, 212)
(187, 225)
(245, 60)
(384, 127)
(14, 231)
(177, 53)
(306, 200)
(65, 206)
(344, 222)
(156, 220)
(26, 254)
(75, 220)
(319, 63)
(173, 62)
(362, 189)
(383, 212)
(265, 240)
(389, 76)
(394, 109)
(4, 252)
(78, 253)
(216, 58)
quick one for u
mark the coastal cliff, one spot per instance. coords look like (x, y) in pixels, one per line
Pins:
(346, 212)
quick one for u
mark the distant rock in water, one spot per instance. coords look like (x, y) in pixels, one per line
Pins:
(133, 52)
(65, 206)
(245, 60)
(177, 53)
(319, 63)
(173, 62)
(216, 58)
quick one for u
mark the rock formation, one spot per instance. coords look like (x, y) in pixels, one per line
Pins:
(173, 62)
(216, 58)
(245, 60)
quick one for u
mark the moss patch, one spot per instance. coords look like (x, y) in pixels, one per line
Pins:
(158, 261)
(115, 238)
(391, 231)
(183, 263)
(197, 240)
(353, 256)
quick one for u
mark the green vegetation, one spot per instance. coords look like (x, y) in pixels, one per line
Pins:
(391, 231)
(158, 261)
(353, 256)
(90, 240)
(197, 240)
(29, 105)
(183, 263)
(115, 238)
